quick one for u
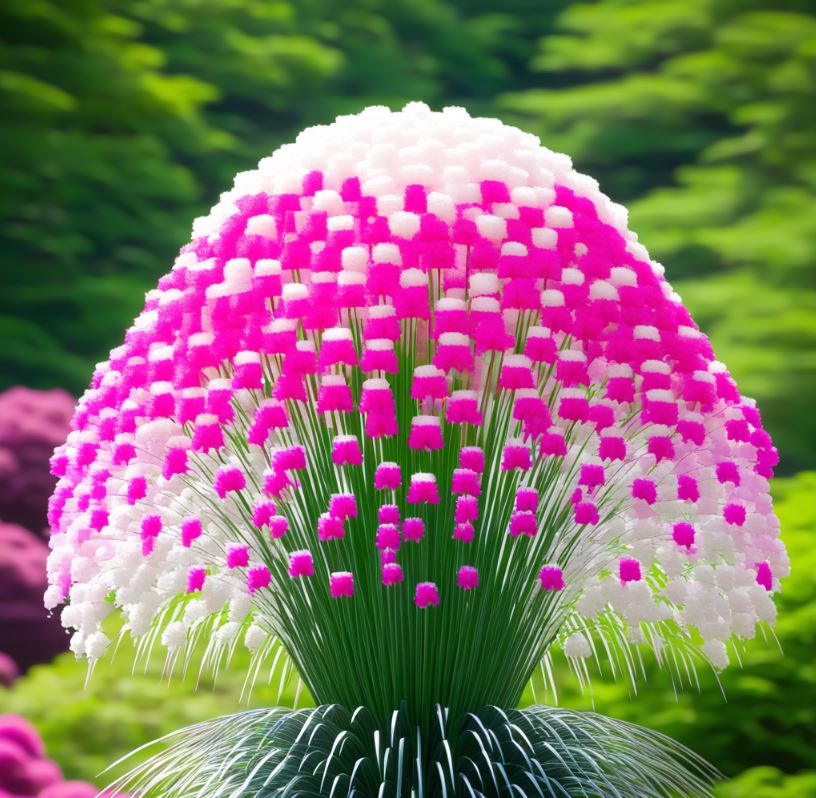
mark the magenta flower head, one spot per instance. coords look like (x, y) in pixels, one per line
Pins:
(426, 595)
(428, 317)
(467, 578)
(341, 584)
(551, 578)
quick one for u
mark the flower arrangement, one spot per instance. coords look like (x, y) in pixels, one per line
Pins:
(413, 412)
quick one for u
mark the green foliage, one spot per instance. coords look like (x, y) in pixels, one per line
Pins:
(768, 783)
(92, 144)
(88, 723)
(334, 752)
(700, 115)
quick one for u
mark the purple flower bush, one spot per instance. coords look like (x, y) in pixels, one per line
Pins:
(32, 423)
(28, 632)
(26, 772)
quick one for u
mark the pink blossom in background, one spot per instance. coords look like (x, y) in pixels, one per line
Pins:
(32, 424)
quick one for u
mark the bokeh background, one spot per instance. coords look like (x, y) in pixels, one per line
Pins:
(122, 120)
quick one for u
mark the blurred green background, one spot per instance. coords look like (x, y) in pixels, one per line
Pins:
(124, 119)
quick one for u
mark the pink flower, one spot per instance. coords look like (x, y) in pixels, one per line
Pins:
(392, 573)
(552, 444)
(329, 527)
(334, 395)
(734, 514)
(629, 570)
(248, 373)
(151, 526)
(573, 408)
(379, 355)
(195, 579)
(388, 514)
(387, 477)
(413, 529)
(645, 490)
(228, 479)
(309, 311)
(426, 594)
(237, 557)
(687, 489)
(136, 489)
(190, 531)
(551, 578)
(586, 513)
(388, 537)
(661, 447)
(571, 368)
(728, 472)
(527, 500)
(523, 523)
(207, 435)
(467, 509)
(278, 526)
(612, 447)
(341, 584)
(175, 462)
(292, 458)
(764, 575)
(463, 408)
(453, 353)
(429, 383)
(516, 456)
(426, 433)
(262, 512)
(301, 564)
(463, 531)
(258, 577)
(516, 373)
(346, 451)
(343, 505)
(466, 481)
(472, 457)
(540, 346)
(270, 415)
(592, 476)
(683, 534)
(338, 347)
(423, 490)
(467, 578)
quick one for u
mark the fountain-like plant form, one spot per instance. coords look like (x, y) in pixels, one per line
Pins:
(415, 408)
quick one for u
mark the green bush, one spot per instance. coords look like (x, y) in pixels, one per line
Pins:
(768, 783)
(88, 722)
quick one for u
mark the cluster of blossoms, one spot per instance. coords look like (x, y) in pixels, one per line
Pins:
(415, 354)
(26, 771)
(28, 633)
(32, 423)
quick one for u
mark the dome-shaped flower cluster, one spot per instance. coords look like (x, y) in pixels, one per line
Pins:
(414, 364)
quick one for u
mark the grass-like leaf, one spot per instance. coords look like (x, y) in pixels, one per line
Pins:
(331, 751)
